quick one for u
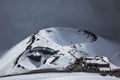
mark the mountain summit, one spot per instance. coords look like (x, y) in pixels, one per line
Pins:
(60, 49)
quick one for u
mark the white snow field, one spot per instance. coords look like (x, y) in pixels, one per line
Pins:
(61, 76)
(57, 48)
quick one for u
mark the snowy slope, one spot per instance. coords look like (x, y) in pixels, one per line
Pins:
(56, 48)
(60, 76)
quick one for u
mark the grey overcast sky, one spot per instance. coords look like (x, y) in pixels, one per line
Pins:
(20, 18)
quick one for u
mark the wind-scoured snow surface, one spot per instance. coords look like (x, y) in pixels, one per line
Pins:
(56, 48)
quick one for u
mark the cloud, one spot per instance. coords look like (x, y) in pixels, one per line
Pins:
(19, 19)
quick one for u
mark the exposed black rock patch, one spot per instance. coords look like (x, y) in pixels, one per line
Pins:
(56, 58)
(90, 34)
(22, 67)
(19, 66)
(35, 58)
(37, 39)
(44, 61)
(31, 40)
(49, 31)
(44, 50)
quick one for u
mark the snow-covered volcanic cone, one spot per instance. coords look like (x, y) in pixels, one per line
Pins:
(56, 48)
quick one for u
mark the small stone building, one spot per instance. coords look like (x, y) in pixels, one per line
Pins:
(93, 64)
(98, 63)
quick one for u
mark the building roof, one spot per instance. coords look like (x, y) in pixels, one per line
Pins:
(96, 60)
